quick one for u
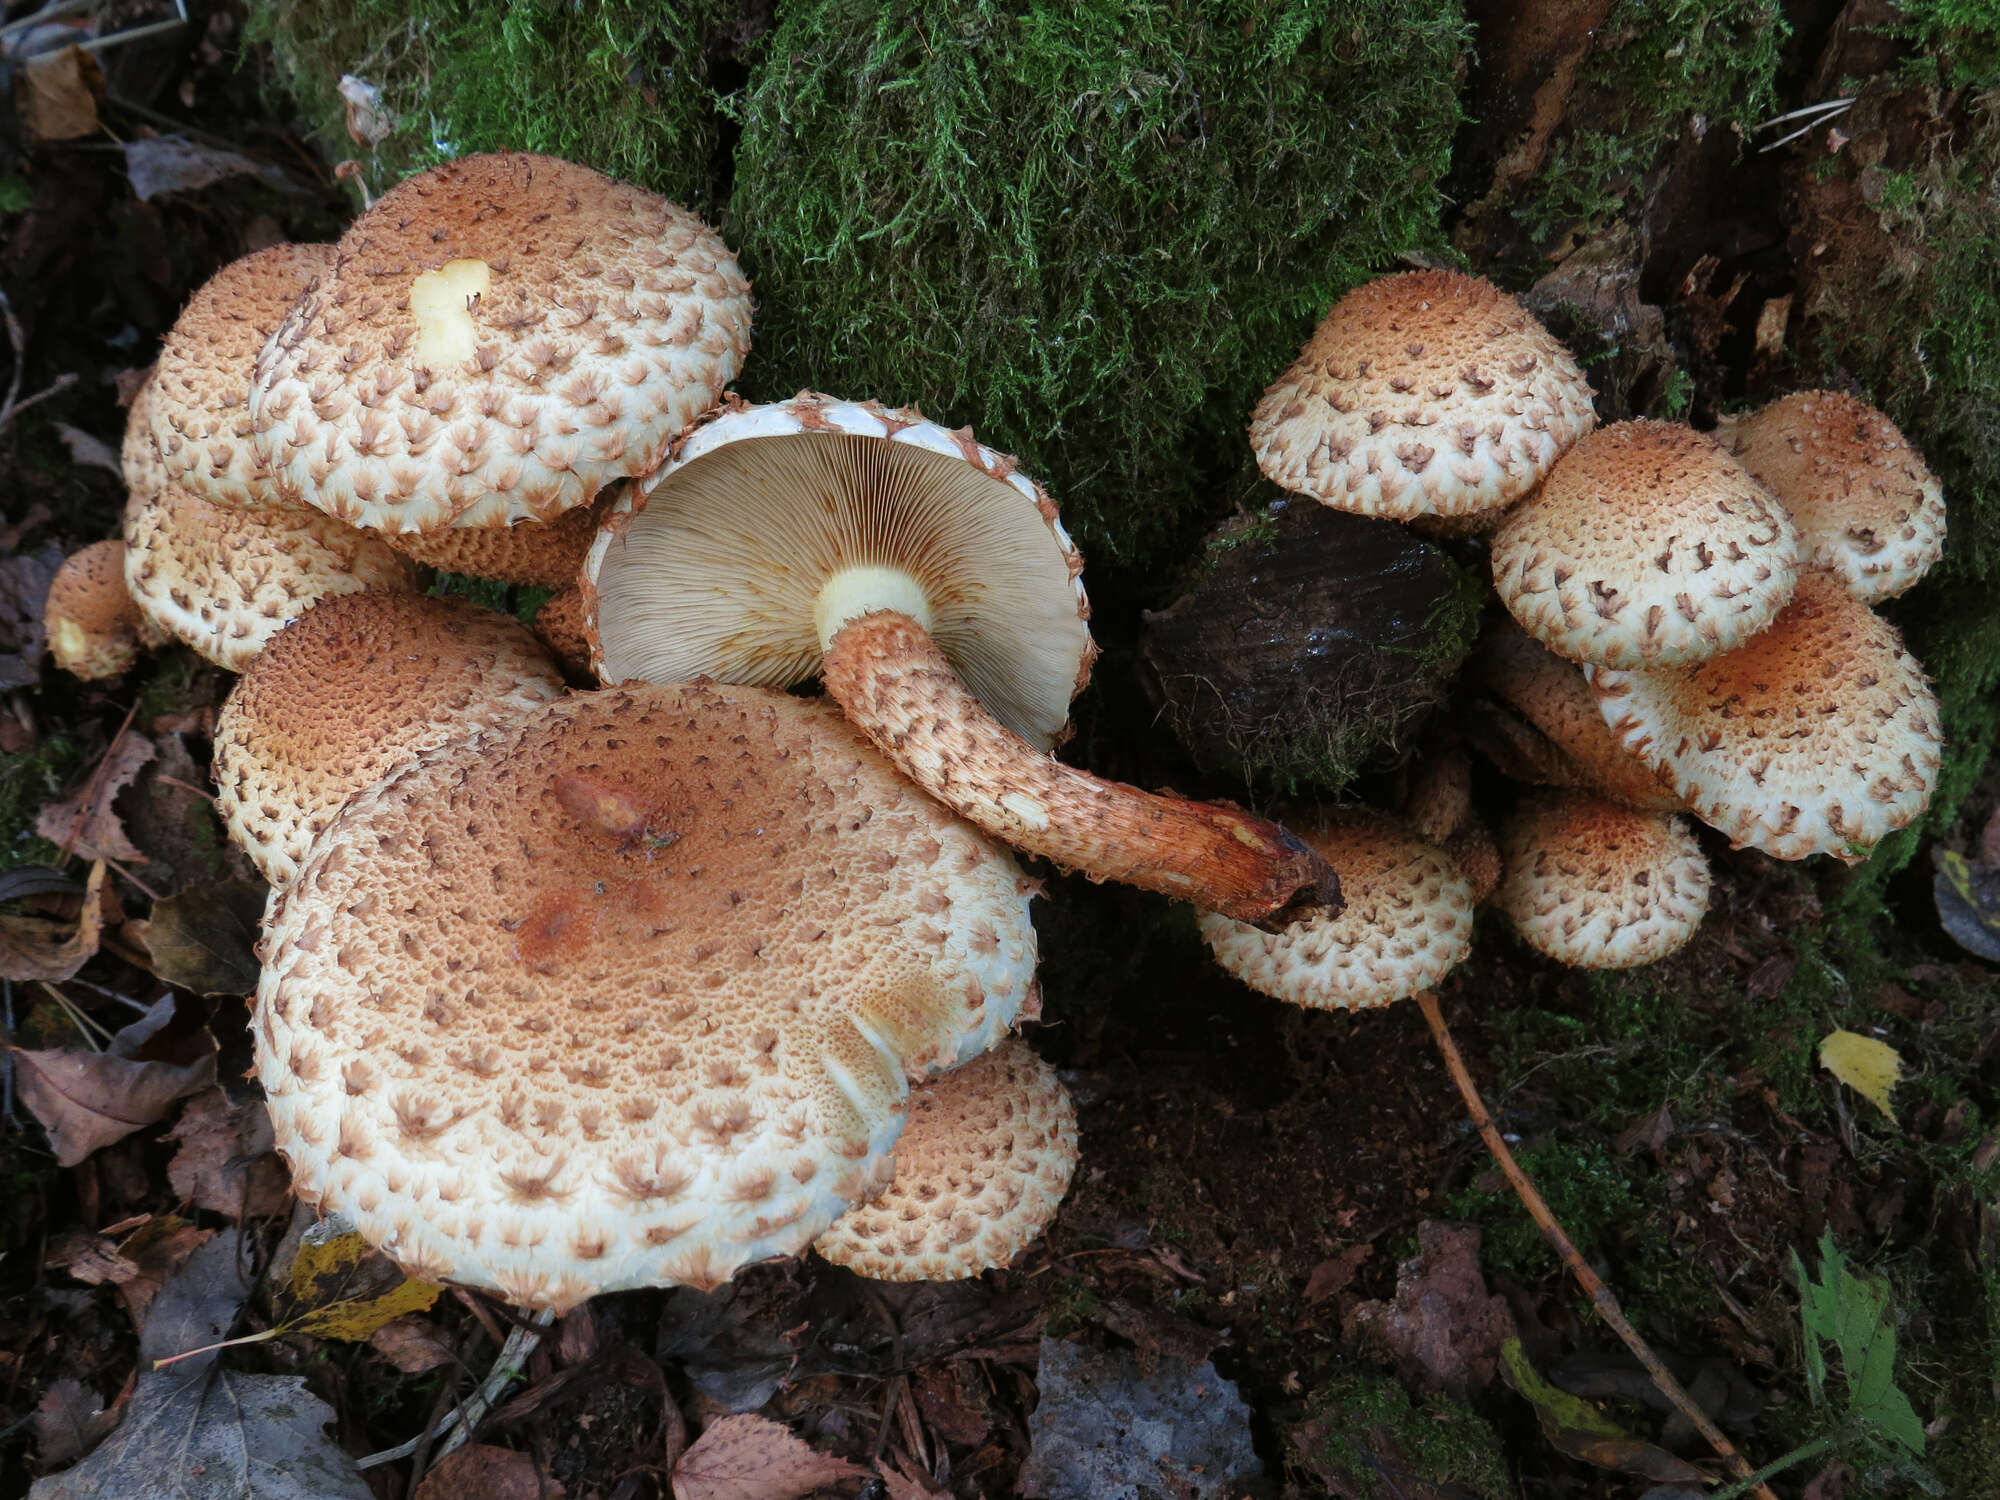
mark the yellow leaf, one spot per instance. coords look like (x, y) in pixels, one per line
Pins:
(343, 1289)
(1869, 1067)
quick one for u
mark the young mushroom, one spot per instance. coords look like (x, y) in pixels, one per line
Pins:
(1820, 736)
(499, 338)
(1596, 885)
(1866, 506)
(356, 686)
(1407, 922)
(981, 1168)
(1431, 393)
(627, 992)
(89, 617)
(932, 585)
(1648, 546)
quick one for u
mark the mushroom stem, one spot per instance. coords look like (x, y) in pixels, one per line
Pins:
(897, 688)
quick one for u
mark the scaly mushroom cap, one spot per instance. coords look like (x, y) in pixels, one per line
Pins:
(1598, 886)
(1554, 696)
(628, 993)
(981, 1169)
(226, 580)
(1818, 737)
(1407, 922)
(559, 625)
(1648, 546)
(539, 554)
(1428, 393)
(138, 458)
(729, 562)
(1866, 506)
(500, 338)
(199, 409)
(89, 617)
(356, 686)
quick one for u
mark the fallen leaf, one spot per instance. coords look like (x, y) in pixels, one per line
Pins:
(1443, 1329)
(1869, 1067)
(1583, 1432)
(40, 948)
(85, 823)
(173, 164)
(1651, 1133)
(342, 1288)
(1331, 1277)
(24, 591)
(753, 1458)
(88, 450)
(197, 1305)
(903, 1480)
(481, 1471)
(412, 1344)
(1968, 904)
(87, 1100)
(205, 939)
(158, 1248)
(226, 1162)
(57, 94)
(70, 1420)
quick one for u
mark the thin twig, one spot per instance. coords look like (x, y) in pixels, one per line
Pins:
(1600, 1294)
(521, 1343)
(13, 406)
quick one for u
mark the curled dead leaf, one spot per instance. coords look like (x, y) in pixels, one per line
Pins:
(87, 1100)
(40, 948)
(85, 823)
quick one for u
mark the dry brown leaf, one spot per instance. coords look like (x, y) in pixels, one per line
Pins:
(38, 948)
(159, 1248)
(87, 1100)
(903, 1480)
(57, 94)
(85, 823)
(753, 1458)
(1331, 1277)
(413, 1345)
(482, 1471)
(91, 1258)
(70, 1420)
(1443, 1329)
(226, 1162)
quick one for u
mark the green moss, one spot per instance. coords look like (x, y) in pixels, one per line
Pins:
(1657, 68)
(1957, 41)
(1093, 232)
(1364, 1428)
(624, 85)
(29, 778)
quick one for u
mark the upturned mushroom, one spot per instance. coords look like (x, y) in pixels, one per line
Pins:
(356, 686)
(932, 585)
(628, 992)
(1431, 393)
(1648, 546)
(980, 1170)
(225, 580)
(1819, 736)
(499, 338)
(1866, 506)
(1407, 922)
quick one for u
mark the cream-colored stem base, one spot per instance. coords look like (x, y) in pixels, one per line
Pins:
(899, 690)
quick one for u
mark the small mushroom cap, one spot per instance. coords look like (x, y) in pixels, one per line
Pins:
(138, 456)
(715, 566)
(1648, 546)
(1428, 393)
(91, 621)
(981, 1169)
(627, 993)
(500, 338)
(225, 580)
(353, 688)
(1598, 886)
(1555, 697)
(199, 408)
(1407, 922)
(1820, 736)
(539, 554)
(1866, 506)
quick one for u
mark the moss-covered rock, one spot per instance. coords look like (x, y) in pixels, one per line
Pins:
(1095, 232)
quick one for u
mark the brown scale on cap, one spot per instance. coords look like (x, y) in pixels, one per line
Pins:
(538, 554)
(1407, 922)
(501, 337)
(1866, 506)
(981, 1169)
(1820, 736)
(629, 992)
(199, 407)
(932, 585)
(356, 686)
(1555, 697)
(91, 621)
(1599, 886)
(138, 456)
(1428, 393)
(1648, 546)
(226, 580)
